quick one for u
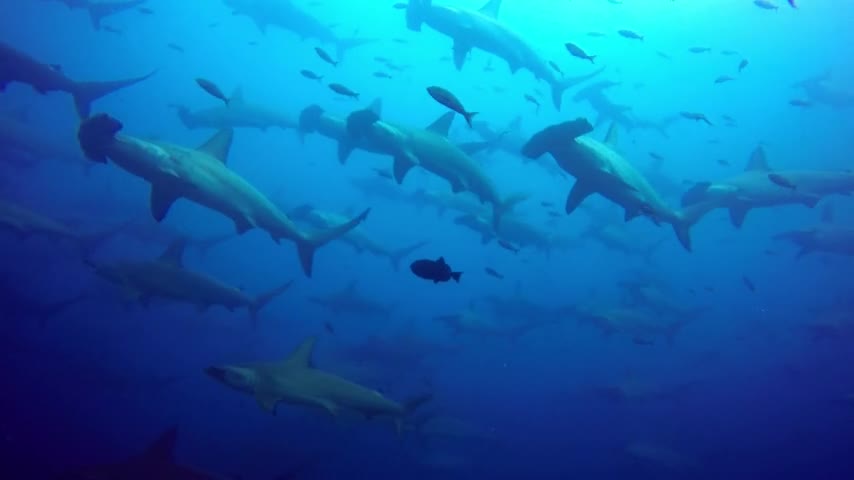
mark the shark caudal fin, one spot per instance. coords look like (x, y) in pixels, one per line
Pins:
(345, 44)
(415, 11)
(85, 93)
(264, 299)
(96, 134)
(87, 244)
(185, 116)
(504, 206)
(687, 217)
(397, 255)
(559, 86)
(99, 10)
(307, 245)
(409, 407)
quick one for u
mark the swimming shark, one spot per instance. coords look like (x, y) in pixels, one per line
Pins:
(818, 91)
(166, 278)
(238, 113)
(356, 238)
(288, 16)
(753, 188)
(349, 300)
(100, 9)
(598, 168)
(828, 239)
(659, 301)
(31, 141)
(472, 322)
(201, 175)
(610, 112)
(480, 29)
(642, 326)
(514, 229)
(17, 66)
(296, 381)
(510, 140)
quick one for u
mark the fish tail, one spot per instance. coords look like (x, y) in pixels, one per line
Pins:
(308, 244)
(468, 116)
(85, 93)
(396, 256)
(456, 276)
(265, 298)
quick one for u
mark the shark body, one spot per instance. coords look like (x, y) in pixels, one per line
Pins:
(827, 239)
(349, 300)
(238, 114)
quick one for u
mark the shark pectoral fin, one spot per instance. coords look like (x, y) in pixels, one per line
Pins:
(162, 198)
(345, 148)
(328, 405)
(579, 192)
(457, 185)
(630, 214)
(402, 165)
(242, 225)
(267, 401)
(461, 52)
(811, 201)
(737, 214)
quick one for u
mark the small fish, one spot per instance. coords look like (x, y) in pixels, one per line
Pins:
(728, 53)
(212, 89)
(723, 79)
(769, 252)
(699, 49)
(796, 102)
(253, 43)
(401, 41)
(488, 67)
(533, 100)
(383, 173)
(310, 75)
(491, 272)
(792, 4)
(724, 163)
(595, 34)
(554, 214)
(325, 56)
(342, 90)
(713, 141)
(630, 35)
(656, 156)
(555, 68)
(547, 204)
(782, 181)
(728, 119)
(176, 47)
(748, 283)
(110, 29)
(646, 341)
(577, 52)
(508, 246)
(765, 4)
(827, 214)
(742, 65)
(329, 328)
(381, 59)
(435, 270)
(692, 291)
(498, 89)
(699, 117)
(400, 6)
(145, 11)
(709, 288)
(448, 99)
(213, 24)
(381, 75)
(395, 68)
(664, 55)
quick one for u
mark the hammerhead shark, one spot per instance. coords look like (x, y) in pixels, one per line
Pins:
(284, 14)
(828, 239)
(98, 10)
(598, 168)
(17, 66)
(18, 136)
(481, 29)
(201, 175)
(238, 113)
(166, 277)
(349, 300)
(754, 188)
(296, 381)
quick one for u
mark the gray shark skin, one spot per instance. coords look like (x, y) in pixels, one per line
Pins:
(21, 137)
(635, 390)
(284, 14)
(826, 239)
(610, 112)
(201, 175)
(514, 229)
(616, 238)
(817, 90)
(481, 29)
(510, 140)
(17, 66)
(400, 351)
(238, 114)
(474, 323)
(296, 381)
(642, 326)
(313, 119)
(166, 278)
(355, 238)
(98, 10)
(157, 461)
(753, 189)
(348, 300)
(659, 301)
(598, 168)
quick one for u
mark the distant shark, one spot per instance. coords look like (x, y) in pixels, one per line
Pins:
(514, 229)
(284, 14)
(21, 137)
(239, 113)
(166, 277)
(598, 168)
(349, 300)
(480, 29)
(295, 381)
(827, 239)
(475, 323)
(202, 176)
(753, 188)
(642, 326)
(510, 140)
(610, 112)
(17, 66)
(100, 9)
(817, 90)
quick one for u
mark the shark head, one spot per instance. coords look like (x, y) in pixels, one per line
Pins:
(241, 379)
(309, 118)
(96, 134)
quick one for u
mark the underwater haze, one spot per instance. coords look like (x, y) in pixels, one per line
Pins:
(324, 239)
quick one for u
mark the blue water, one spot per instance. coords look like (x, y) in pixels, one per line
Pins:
(743, 387)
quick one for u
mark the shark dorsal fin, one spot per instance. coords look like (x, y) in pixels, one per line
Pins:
(301, 357)
(611, 138)
(377, 107)
(163, 449)
(441, 261)
(516, 124)
(442, 125)
(174, 253)
(236, 96)
(491, 8)
(757, 162)
(218, 145)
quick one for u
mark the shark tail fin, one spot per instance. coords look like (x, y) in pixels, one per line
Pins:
(52, 310)
(345, 44)
(185, 116)
(307, 245)
(409, 407)
(560, 86)
(686, 218)
(87, 92)
(415, 13)
(91, 242)
(265, 298)
(95, 135)
(396, 256)
(505, 206)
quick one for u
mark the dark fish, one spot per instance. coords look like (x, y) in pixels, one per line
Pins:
(728, 119)
(723, 162)
(310, 75)
(742, 65)
(533, 100)
(796, 102)
(728, 53)
(448, 99)
(792, 4)
(498, 89)
(709, 288)
(781, 181)
(329, 328)
(383, 173)
(508, 246)
(381, 75)
(212, 89)
(578, 52)
(699, 49)
(765, 4)
(325, 56)
(554, 214)
(547, 204)
(556, 68)
(630, 35)
(699, 117)
(401, 41)
(656, 156)
(145, 11)
(253, 43)
(342, 90)
(395, 68)
(176, 47)
(723, 79)
(400, 6)
(435, 270)
(664, 55)
(381, 59)
(595, 34)
(110, 29)
(489, 271)
(213, 24)
(769, 252)
(748, 283)
(692, 291)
